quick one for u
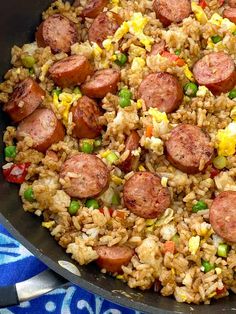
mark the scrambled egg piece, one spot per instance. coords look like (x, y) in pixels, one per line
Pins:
(227, 140)
(202, 91)
(233, 113)
(63, 103)
(160, 121)
(193, 244)
(138, 64)
(224, 23)
(199, 13)
(188, 73)
(155, 144)
(97, 51)
(158, 115)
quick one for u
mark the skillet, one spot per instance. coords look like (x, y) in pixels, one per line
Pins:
(18, 22)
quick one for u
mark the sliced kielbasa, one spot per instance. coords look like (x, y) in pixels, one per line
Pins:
(132, 143)
(105, 24)
(162, 91)
(93, 8)
(232, 3)
(114, 257)
(26, 97)
(85, 117)
(57, 32)
(172, 11)
(145, 196)
(189, 149)
(230, 14)
(223, 215)
(102, 82)
(216, 71)
(43, 127)
(87, 174)
(70, 71)
(157, 48)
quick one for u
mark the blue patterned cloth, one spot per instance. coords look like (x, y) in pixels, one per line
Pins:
(18, 264)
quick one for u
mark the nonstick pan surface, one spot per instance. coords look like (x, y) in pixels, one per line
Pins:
(18, 21)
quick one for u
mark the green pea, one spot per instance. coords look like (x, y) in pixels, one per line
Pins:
(10, 151)
(190, 89)
(124, 102)
(223, 250)
(74, 206)
(121, 59)
(56, 91)
(92, 203)
(207, 266)
(28, 61)
(29, 195)
(112, 158)
(199, 206)
(87, 146)
(216, 39)
(232, 94)
(220, 162)
(177, 52)
(125, 93)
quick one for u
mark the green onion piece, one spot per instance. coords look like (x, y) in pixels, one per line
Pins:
(87, 146)
(220, 162)
(10, 151)
(28, 61)
(121, 59)
(216, 39)
(29, 195)
(56, 91)
(199, 206)
(112, 158)
(125, 93)
(92, 203)
(207, 266)
(73, 208)
(232, 94)
(77, 91)
(190, 89)
(177, 52)
(223, 250)
(175, 238)
(115, 199)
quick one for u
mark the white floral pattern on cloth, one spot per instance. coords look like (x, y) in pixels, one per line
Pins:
(17, 264)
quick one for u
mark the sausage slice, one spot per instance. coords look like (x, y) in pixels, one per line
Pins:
(172, 11)
(57, 32)
(27, 96)
(232, 3)
(93, 8)
(132, 143)
(216, 71)
(102, 82)
(162, 91)
(157, 48)
(112, 258)
(230, 14)
(85, 116)
(145, 196)
(223, 215)
(43, 127)
(87, 174)
(70, 71)
(105, 24)
(188, 148)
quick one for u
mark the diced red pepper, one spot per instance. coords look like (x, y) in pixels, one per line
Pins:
(16, 173)
(169, 246)
(203, 4)
(214, 172)
(172, 57)
(221, 291)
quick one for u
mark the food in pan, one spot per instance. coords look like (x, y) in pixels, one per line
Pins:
(123, 139)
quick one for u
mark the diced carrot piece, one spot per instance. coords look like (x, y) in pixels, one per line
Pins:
(149, 131)
(169, 246)
(172, 57)
(119, 214)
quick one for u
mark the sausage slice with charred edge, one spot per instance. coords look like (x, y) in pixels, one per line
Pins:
(85, 176)
(43, 127)
(230, 14)
(93, 8)
(26, 97)
(145, 196)
(131, 162)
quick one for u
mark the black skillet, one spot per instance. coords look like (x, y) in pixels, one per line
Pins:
(18, 21)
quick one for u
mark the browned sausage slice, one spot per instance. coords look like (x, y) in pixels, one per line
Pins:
(57, 32)
(43, 127)
(157, 48)
(87, 174)
(162, 91)
(145, 196)
(132, 143)
(112, 258)
(27, 96)
(103, 26)
(85, 116)
(223, 215)
(70, 71)
(93, 8)
(216, 71)
(230, 14)
(232, 3)
(188, 148)
(102, 82)
(172, 11)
